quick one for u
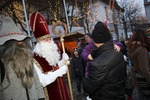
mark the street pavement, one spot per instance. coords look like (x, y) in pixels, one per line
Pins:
(76, 94)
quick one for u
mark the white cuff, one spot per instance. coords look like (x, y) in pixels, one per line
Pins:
(63, 69)
(50, 77)
(61, 63)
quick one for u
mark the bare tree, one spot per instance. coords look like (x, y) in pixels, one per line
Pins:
(14, 9)
(131, 10)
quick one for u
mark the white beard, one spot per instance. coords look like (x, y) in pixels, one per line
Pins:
(49, 51)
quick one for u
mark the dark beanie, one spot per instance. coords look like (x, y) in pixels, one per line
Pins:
(100, 33)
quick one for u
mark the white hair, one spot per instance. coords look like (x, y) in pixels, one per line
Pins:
(49, 51)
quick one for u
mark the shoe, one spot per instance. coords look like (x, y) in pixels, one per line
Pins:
(88, 98)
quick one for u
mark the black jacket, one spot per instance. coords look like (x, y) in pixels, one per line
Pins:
(77, 66)
(107, 74)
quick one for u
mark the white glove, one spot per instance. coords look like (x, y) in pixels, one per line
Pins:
(61, 63)
(63, 69)
(59, 72)
(64, 60)
(65, 56)
(50, 77)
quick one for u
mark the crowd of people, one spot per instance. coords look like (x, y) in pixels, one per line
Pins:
(102, 68)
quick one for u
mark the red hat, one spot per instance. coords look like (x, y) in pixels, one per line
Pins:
(39, 26)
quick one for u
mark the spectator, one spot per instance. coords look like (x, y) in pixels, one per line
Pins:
(86, 52)
(107, 70)
(88, 38)
(77, 64)
(138, 48)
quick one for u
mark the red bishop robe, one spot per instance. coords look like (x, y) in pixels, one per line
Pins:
(56, 90)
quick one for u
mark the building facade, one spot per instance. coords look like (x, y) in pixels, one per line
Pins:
(147, 8)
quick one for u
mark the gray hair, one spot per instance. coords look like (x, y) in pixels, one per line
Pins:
(21, 56)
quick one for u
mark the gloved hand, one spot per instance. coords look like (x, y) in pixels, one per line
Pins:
(64, 60)
(63, 69)
(65, 56)
(50, 77)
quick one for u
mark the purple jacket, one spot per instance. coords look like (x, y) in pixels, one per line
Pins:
(86, 51)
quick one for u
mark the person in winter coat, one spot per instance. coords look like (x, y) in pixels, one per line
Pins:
(77, 66)
(107, 71)
(86, 52)
(20, 80)
(138, 48)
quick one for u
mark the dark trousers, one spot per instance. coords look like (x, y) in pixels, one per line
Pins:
(78, 83)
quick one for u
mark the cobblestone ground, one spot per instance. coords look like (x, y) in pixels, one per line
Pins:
(76, 94)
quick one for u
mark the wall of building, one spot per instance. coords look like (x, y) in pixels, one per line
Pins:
(147, 11)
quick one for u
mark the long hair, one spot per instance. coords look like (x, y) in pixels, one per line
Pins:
(19, 53)
(139, 36)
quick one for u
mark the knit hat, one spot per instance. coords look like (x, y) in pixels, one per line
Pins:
(9, 31)
(39, 26)
(100, 33)
(75, 49)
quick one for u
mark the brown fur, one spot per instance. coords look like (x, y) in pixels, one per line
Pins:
(21, 56)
